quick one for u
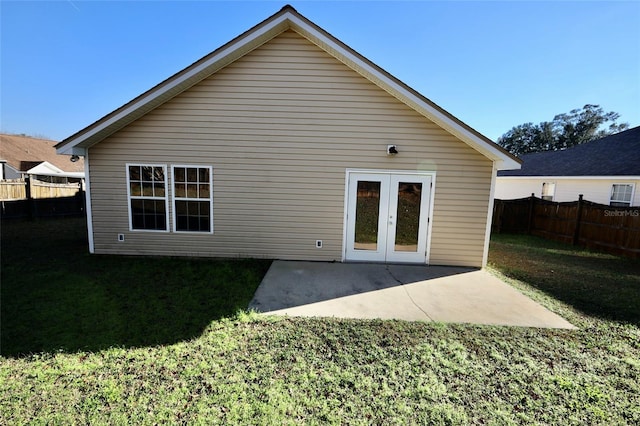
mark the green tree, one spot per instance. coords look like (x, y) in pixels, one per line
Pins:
(566, 130)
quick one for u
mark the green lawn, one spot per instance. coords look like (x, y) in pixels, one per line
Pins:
(57, 297)
(597, 284)
(127, 340)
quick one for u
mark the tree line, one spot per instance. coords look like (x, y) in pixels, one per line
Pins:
(565, 130)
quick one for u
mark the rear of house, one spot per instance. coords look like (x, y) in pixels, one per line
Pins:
(282, 148)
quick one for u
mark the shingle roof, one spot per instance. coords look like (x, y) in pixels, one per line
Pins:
(615, 155)
(22, 153)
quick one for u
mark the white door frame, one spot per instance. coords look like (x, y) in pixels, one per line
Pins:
(394, 175)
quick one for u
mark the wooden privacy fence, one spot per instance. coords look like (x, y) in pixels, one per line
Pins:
(22, 189)
(34, 198)
(53, 190)
(612, 229)
(13, 189)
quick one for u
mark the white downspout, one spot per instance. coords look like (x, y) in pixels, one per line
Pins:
(87, 197)
(487, 235)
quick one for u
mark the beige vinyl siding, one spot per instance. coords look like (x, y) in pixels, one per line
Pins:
(280, 127)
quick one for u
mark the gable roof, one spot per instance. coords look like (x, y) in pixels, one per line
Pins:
(45, 168)
(286, 19)
(23, 153)
(614, 155)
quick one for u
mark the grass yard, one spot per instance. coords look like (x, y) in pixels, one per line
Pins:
(56, 297)
(110, 340)
(597, 284)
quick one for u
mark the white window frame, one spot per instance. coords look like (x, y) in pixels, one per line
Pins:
(633, 190)
(548, 185)
(165, 198)
(174, 199)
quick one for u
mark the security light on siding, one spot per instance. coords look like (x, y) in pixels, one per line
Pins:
(74, 158)
(392, 150)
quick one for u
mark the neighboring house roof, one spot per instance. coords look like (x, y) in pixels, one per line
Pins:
(615, 155)
(44, 168)
(286, 19)
(23, 154)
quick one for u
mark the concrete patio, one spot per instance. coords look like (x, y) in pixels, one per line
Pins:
(405, 292)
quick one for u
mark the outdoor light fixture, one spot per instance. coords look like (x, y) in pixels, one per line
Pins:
(392, 150)
(74, 158)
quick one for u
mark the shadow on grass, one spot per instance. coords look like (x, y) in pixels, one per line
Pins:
(57, 297)
(597, 284)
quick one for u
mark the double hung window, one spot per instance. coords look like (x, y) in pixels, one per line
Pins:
(621, 195)
(192, 199)
(147, 191)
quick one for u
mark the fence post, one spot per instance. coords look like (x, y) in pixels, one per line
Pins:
(28, 193)
(576, 232)
(80, 203)
(532, 201)
(496, 219)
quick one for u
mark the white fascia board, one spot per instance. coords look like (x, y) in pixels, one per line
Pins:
(508, 165)
(71, 150)
(76, 175)
(613, 177)
(156, 94)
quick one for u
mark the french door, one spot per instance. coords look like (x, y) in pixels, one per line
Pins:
(387, 217)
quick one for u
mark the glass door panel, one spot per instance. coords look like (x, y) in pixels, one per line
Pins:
(367, 215)
(368, 205)
(408, 216)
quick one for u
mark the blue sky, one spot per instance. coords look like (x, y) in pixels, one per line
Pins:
(492, 64)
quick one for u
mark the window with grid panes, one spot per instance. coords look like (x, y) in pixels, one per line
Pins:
(147, 191)
(193, 198)
(621, 195)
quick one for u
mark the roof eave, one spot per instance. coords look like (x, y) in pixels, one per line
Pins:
(576, 177)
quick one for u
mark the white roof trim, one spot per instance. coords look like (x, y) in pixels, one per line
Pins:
(604, 177)
(289, 19)
(44, 168)
(47, 169)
